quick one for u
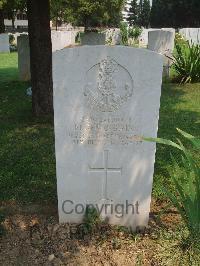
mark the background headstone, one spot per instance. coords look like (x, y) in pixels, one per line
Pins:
(99, 116)
(62, 39)
(143, 38)
(93, 38)
(23, 57)
(4, 43)
(191, 34)
(162, 42)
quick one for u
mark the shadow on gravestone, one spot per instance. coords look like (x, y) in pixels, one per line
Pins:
(93, 38)
(99, 116)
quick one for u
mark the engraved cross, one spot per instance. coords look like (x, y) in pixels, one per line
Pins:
(106, 169)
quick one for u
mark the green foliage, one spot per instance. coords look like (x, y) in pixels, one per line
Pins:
(179, 39)
(134, 32)
(11, 38)
(139, 13)
(133, 13)
(2, 3)
(91, 220)
(128, 33)
(186, 197)
(12, 6)
(124, 33)
(91, 13)
(57, 11)
(187, 62)
(144, 15)
(30, 176)
(175, 13)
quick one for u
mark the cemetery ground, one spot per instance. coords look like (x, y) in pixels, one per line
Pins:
(30, 234)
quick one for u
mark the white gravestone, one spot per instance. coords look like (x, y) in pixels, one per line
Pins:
(4, 43)
(93, 38)
(162, 42)
(23, 57)
(191, 34)
(99, 115)
(143, 38)
(62, 39)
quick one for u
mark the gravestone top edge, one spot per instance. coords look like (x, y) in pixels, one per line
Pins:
(117, 47)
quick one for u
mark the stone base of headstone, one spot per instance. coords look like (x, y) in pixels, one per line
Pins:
(4, 43)
(93, 38)
(23, 57)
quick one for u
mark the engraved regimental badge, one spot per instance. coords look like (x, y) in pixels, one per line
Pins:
(108, 86)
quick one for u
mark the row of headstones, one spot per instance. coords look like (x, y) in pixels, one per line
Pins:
(60, 39)
(159, 41)
(113, 37)
(190, 34)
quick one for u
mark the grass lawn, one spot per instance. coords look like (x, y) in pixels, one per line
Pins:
(28, 177)
(27, 172)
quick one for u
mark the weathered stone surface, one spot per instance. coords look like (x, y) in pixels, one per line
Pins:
(105, 99)
(191, 34)
(23, 57)
(4, 43)
(62, 39)
(93, 38)
(143, 38)
(161, 41)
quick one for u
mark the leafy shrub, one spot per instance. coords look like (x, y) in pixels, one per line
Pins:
(124, 33)
(128, 33)
(186, 198)
(179, 39)
(91, 220)
(134, 32)
(11, 38)
(187, 62)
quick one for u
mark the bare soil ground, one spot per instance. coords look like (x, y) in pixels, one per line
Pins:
(34, 237)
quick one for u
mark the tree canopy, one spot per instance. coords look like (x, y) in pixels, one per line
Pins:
(88, 13)
(139, 13)
(133, 13)
(175, 13)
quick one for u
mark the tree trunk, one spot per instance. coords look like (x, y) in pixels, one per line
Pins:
(56, 23)
(40, 56)
(2, 26)
(13, 20)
